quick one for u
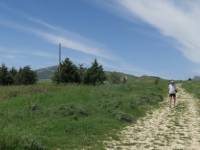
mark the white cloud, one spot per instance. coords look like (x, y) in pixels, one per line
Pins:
(72, 41)
(55, 34)
(14, 52)
(174, 19)
(73, 44)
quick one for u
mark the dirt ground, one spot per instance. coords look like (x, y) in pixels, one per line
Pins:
(166, 128)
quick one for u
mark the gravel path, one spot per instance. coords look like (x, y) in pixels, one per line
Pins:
(165, 129)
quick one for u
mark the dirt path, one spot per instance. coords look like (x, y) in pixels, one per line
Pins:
(164, 129)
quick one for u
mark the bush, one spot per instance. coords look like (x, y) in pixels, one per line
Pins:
(23, 76)
(73, 111)
(82, 72)
(67, 72)
(10, 142)
(5, 77)
(115, 78)
(26, 76)
(13, 74)
(95, 74)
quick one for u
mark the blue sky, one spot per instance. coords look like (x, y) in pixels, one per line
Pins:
(139, 37)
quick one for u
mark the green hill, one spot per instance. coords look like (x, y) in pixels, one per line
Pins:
(46, 73)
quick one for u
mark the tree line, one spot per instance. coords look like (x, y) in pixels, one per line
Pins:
(22, 76)
(68, 72)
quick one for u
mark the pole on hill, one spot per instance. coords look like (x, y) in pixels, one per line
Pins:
(59, 65)
(60, 53)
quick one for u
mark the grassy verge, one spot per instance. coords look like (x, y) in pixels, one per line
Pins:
(192, 87)
(46, 116)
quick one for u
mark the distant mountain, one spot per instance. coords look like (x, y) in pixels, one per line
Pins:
(196, 78)
(46, 73)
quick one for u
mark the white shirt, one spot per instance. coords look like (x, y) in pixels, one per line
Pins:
(172, 89)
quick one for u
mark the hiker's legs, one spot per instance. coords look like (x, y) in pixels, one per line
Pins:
(174, 97)
(170, 101)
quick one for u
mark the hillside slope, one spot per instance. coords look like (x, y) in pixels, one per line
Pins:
(48, 116)
(46, 73)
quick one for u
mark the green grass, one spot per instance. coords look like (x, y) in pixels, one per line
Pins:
(48, 116)
(192, 87)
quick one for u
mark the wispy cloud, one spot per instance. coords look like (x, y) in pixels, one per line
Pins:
(177, 20)
(55, 34)
(73, 44)
(71, 41)
(16, 53)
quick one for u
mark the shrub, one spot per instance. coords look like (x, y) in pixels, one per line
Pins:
(10, 142)
(5, 76)
(67, 72)
(72, 111)
(13, 74)
(23, 76)
(82, 70)
(26, 76)
(115, 78)
(95, 74)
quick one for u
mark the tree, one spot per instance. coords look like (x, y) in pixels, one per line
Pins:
(5, 78)
(26, 76)
(67, 72)
(95, 74)
(23, 76)
(13, 74)
(82, 70)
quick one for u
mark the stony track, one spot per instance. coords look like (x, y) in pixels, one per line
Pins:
(166, 128)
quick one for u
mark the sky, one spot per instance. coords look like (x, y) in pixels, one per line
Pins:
(139, 37)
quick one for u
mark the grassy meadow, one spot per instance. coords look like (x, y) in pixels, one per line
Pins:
(49, 116)
(192, 87)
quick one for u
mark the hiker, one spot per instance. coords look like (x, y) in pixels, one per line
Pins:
(172, 92)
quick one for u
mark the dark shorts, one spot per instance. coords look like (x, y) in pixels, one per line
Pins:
(172, 95)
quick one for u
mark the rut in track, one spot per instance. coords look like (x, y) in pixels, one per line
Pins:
(165, 128)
